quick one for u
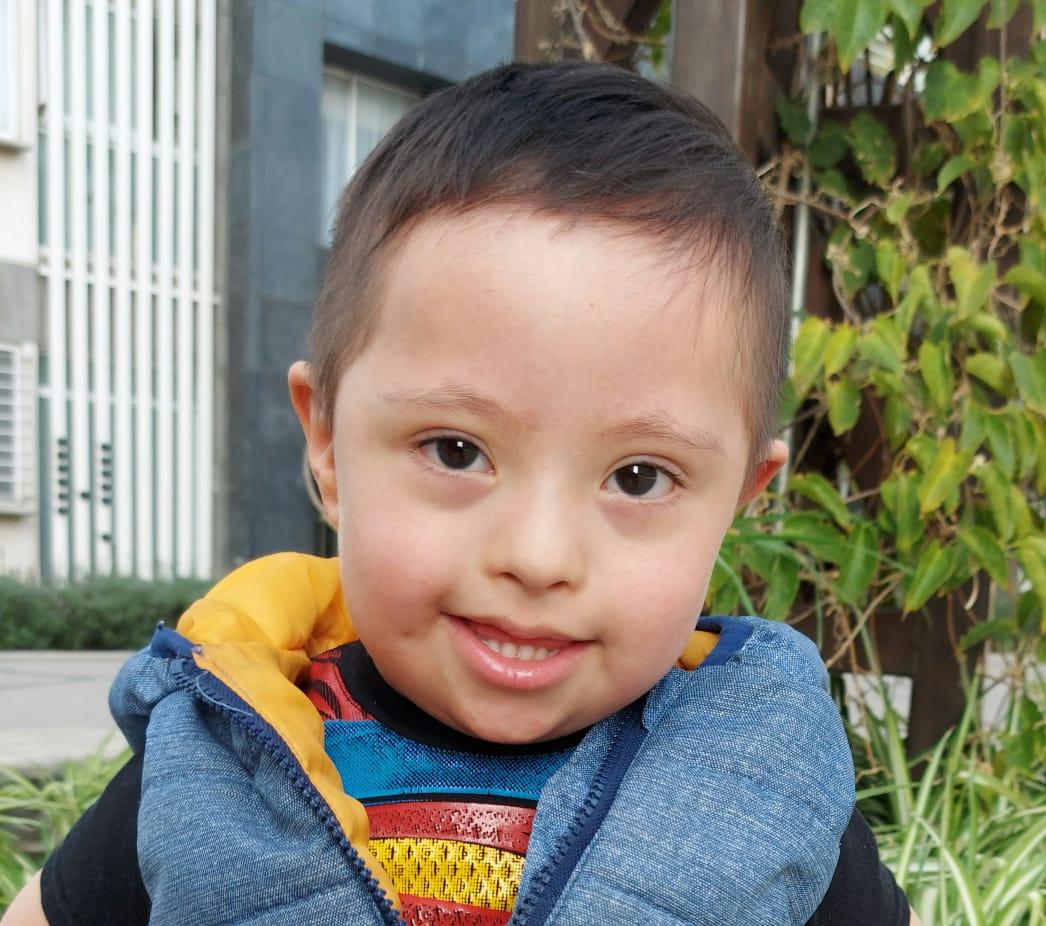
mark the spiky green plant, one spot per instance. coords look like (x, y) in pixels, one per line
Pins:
(37, 810)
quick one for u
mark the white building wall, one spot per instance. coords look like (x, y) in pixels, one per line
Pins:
(20, 322)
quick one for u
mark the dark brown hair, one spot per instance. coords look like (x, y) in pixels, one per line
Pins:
(583, 141)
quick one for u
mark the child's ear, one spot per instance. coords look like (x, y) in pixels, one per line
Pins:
(318, 436)
(770, 461)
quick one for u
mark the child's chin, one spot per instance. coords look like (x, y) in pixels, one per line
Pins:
(513, 731)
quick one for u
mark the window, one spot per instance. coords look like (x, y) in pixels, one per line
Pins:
(357, 112)
(8, 73)
(17, 426)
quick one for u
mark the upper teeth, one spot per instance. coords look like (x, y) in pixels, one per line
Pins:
(526, 652)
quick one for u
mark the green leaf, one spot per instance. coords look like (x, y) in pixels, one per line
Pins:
(858, 567)
(937, 374)
(1031, 554)
(809, 529)
(1029, 372)
(956, 17)
(973, 281)
(926, 159)
(817, 16)
(883, 344)
(1031, 321)
(873, 149)
(947, 471)
(794, 120)
(855, 264)
(911, 13)
(931, 572)
(1002, 628)
(989, 325)
(923, 449)
(1001, 442)
(1040, 465)
(918, 294)
(990, 370)
(996, 488)
(1038, 21)
(789, 403)
(1001, 12)
(829, 146)
(1029, 281)
(820, 491)
(1026, 439)
(897, 416)
(952, 170)
(808, 353)
(844, 405)
(889, 266)
(974, 426)
(782, 589)
(839, 349)
(835, 184)
(950, 95)
(900, 494)
(903, 44)
(898, 207)
(985, 549)
(1023, 524)
(856, 23)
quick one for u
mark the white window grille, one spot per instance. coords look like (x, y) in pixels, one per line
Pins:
(127, 251)
(357, 113)
(17, 428)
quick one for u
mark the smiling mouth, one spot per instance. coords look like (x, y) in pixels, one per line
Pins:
(523, 651)
(512, 656)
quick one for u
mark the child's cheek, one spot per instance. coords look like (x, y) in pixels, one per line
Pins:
(397, 560)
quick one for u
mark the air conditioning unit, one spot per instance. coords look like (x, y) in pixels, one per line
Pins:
(18, 428)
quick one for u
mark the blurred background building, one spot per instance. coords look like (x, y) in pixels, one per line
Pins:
(168, 171)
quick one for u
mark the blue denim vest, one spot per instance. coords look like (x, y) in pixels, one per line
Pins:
(719, 798)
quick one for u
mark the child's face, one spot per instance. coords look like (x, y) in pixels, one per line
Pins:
(516, 552)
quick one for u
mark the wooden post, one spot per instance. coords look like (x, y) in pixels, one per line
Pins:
(719, 56)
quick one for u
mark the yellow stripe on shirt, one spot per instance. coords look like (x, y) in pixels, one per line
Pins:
(445, 869)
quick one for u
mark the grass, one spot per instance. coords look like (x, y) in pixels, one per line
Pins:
(37, 811)
(963, 828)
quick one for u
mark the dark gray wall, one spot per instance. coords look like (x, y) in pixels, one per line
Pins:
(277, 49)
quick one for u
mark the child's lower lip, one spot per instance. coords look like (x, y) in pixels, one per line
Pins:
(507, 672)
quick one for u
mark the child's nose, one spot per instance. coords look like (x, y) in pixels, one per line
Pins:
(538, 541)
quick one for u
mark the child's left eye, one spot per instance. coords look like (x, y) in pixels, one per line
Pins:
(644, 480)
(454, 453)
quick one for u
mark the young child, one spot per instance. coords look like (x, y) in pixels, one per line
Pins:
(545, 367)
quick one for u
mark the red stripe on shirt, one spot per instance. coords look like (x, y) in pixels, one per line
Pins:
(495, 825)
(424, 911)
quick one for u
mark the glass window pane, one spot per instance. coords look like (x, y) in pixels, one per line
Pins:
(363, 122)
(377, 110)
(335, 114)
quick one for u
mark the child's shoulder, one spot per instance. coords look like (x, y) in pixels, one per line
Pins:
(754, 643)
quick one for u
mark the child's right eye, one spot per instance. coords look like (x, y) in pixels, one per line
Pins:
(454, 453)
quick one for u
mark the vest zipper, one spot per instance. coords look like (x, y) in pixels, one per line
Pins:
(548, 883)
(191, 679)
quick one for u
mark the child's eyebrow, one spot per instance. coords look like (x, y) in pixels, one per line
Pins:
(663, 428)
(650, 427)
(455, 398)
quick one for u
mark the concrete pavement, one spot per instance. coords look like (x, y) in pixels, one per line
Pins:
(54, 707)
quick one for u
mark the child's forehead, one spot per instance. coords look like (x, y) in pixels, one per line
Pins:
(574, 259)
